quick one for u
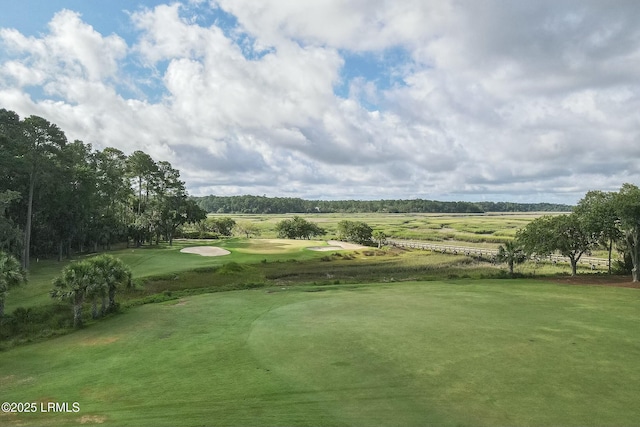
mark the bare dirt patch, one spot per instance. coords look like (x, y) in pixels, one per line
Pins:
(92, 419)
(336, 245)
(205, 251)
(100, 341)
(595, 280)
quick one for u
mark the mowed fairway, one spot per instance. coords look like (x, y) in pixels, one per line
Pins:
(457, 353)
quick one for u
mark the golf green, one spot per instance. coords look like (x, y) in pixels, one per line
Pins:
(429, 353)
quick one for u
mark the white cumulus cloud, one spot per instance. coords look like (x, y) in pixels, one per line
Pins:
(527, 101)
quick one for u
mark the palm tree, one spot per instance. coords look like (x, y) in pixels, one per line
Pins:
(379, 237)
(97, 291)
(73, 285)
(112, 273)
(511, 253)
(11, 275)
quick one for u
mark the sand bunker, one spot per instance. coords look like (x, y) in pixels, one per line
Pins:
(205, 251)
(336, 245)
(325, 248)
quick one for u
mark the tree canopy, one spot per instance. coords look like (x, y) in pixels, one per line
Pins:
(58, 196)
(565, 234)
(298, 228)
(355, 231)
(95, 279)
(284, 205)
(626, 204)
(11, 275)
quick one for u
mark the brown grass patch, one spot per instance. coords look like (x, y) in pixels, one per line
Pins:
(595, 280)
(92, 419)
(100, 341)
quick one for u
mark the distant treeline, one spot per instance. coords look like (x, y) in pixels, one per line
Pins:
(282, 205)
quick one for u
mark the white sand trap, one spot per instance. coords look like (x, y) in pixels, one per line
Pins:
(337, 246)
(205, 251)
(325, 248)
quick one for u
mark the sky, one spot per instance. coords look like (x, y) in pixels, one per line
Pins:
(526, 101)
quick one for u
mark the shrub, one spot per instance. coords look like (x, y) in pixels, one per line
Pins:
(230, 267)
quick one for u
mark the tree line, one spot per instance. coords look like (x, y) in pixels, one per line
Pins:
(57, 196)
(600, 219)
(283, 205)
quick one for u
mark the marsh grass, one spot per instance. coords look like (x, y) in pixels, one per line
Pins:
(487, 229)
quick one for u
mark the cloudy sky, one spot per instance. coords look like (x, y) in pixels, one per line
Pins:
(442, 99)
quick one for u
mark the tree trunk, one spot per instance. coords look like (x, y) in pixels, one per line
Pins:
(94, 308)
(1, 307)
(511, 267)
(77, 313)
(574, 266)
(610, 248)
(103, 308)
(27, 228)
(633, 248)
(112, 298)
(635, 273)
(139, 194)
(60, 251)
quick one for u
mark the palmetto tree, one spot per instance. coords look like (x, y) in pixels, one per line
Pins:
(97, 291)
(95, 279)
(11, 275)
(74, 285)
(511, 253)
(112, 273)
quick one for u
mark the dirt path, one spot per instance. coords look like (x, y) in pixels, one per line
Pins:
(595, 280)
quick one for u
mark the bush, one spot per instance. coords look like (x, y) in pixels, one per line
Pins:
(623, 266)
(26, 324)
(195, 234)
(355, 231)
(230, 267)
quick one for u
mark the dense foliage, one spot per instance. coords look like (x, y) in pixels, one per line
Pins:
(57, 197)
(512, 253)
(94, 280)
(280, 205)
(565, 234)
(600, 219)
(355, 231)
(298, 228)
(11, 275)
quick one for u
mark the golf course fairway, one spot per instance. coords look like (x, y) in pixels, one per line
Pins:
(482, 352)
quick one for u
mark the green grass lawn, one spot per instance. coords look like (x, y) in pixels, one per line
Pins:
(461, 352)
(155, 260)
